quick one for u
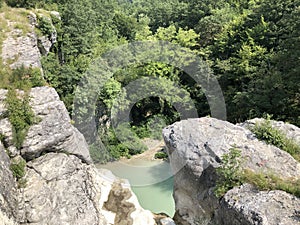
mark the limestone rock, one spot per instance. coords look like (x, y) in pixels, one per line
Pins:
(290, 130)
(195, 149)
(8, 187)
(22, 50)
(63, 190)
(4, 220)
(54, 133)
(26, 49)
(246, 205)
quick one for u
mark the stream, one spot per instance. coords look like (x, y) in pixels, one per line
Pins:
(151, 181)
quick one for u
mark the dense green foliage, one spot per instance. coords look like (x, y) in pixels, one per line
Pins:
(253, 48)
(18, 168)
(264, 131)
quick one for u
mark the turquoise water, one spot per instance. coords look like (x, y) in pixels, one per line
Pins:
(151, 181)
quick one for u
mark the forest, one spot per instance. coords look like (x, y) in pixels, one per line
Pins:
(251, 46)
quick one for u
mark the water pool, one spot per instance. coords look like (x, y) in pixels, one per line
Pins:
(151, 181)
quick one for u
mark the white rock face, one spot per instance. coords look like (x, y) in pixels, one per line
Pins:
(195, 149)
(26, 49)
(23, 50)
(62, 190)
(54, 133)
(4, 220)
(258, 207)
(8, 187)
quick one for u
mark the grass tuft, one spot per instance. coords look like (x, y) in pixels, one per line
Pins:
(265, 132)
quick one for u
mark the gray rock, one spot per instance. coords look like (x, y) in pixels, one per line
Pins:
(54, 133)
(22, 50)
(246, 205)
(8, 187)
(62, 190)
(45, 43)
(26, 49)
(5, 220)
(58, 191)
(6, 131)
(290, 130)
(167, 221)
(195, 149)
(56, 14)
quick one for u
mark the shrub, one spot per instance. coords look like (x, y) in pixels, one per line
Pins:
(45, 25)
(229, 173)
(161, 155)
(26, 78)
(264, 131)
(20, 115)
(22, 3)
(17, 167)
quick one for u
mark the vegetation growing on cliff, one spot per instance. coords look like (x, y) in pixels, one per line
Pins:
(266, 132)
(251, 46)
(18, 168)
(231, 174)
(19, 111)
(20, 116)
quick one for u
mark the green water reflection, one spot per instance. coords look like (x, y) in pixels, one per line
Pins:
(151, 181)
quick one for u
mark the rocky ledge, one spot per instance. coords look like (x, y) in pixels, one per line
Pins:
(195, 149)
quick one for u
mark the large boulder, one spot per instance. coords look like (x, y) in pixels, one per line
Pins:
(54, 132)
(195, 149)
(246, 205)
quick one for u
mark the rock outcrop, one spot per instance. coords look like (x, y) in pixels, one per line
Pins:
(62, 190)
(291, 131)
(62, 186)
(53, 133)
(26, 49)
(195, 149)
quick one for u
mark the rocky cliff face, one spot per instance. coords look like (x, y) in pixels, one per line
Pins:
(62, 187)
(195, 148)
(26, 49)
